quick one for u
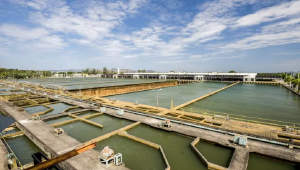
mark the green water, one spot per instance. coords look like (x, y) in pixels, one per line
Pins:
(179, 94)
(86, 113)
(57, 108)
(255, 100)
(83, 131)
(136, 156)
(23, 148)
(176, 147)
(57, 120)
(214, 153)
(36, 109)
(257, 162)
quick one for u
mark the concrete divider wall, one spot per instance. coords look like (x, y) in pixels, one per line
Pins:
(93, 115)
(154, 145)
(98, 139)
(12, 135)
(202, 97)
(42, 113)
(87, 121)
(73, 107)
(203, 159)
(121, 89)
(239, 160)
(64, 122)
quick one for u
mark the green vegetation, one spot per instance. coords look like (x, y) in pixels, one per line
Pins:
(294, 79)
(270, 74)
(21, 74)
(232, 71)
(105, 71)
(141, 71)
(91, 71)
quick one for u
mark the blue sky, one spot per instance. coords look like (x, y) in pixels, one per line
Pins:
(179, 35)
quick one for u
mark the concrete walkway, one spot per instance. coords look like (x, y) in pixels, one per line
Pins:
(42, 135)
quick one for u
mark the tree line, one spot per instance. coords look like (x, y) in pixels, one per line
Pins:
(293, 78)
(21, 74)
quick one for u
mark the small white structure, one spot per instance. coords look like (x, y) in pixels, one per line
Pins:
(288, 129)
(58, 131)
(165, 123)
(36, 117)
(120, 112)
(102, 109)
(108, 158)
(221, 118)
(240, 139)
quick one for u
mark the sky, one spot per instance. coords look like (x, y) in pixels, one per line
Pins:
(160, 35)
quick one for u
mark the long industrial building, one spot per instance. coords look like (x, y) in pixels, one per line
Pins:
(190, 76)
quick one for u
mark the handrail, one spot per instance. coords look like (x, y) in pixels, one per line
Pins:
(11, 150)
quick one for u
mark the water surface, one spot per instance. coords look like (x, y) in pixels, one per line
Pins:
(83, 131)
(136, 156)
(176, 147)
(179, 94)
(23, 148)
(257, 162)
(214, 153)
(36, 109)
(254, 100)
(86, 113)
(57, 108)
(57, 120)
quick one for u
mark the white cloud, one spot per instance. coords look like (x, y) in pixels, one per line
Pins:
(281, 26)
(270, 14)
(38, 4)
(22, 33)
(265, 40)
(26, 38)
(50, 42)
(169, 35)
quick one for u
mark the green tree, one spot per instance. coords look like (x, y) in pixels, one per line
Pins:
(105, 71)
(232, 71)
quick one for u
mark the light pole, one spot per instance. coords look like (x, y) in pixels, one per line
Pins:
(80, 91)
(157, 95)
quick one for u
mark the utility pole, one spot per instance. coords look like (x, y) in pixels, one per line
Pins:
(157, 95)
